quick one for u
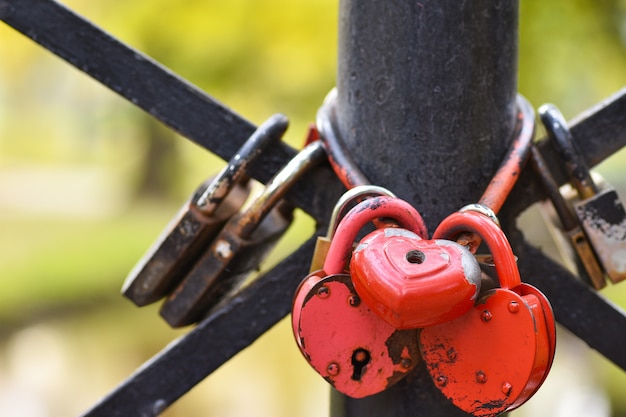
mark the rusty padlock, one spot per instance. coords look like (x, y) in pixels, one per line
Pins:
(599, 209)
(240, 246)
(566, 229)
(216, 200)
(495, 357)
(352, 348)
(406, 279)
(349, 345)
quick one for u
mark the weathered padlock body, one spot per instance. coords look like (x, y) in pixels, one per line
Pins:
(200, 220)
(486, 362)
(223, 268)
(604, 221)
(171, 256)
(509, 334)
(345, 342)
(240, 246)
(299, 298)
(565, 227)
(573, 247)
(412, 282)
(599, 210)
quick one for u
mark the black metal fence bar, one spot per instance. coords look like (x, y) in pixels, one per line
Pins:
(228, 330)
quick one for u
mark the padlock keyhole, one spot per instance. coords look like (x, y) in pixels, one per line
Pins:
(415, 256)
(360, 359)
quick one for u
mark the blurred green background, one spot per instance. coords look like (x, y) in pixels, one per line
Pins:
(87, 182)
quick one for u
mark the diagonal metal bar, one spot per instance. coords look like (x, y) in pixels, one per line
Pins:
(147, 84)
(228, 330)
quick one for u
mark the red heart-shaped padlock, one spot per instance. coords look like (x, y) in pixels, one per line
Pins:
(483, 361)
(496, 357)
(345, 342)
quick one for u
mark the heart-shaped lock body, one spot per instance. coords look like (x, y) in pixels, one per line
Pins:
(407, 280)
(495, 357)
(412, 282)
(483, 361)
(345, 342)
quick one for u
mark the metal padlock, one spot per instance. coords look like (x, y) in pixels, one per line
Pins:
(216, 200)
(241, 245)
(599, 210)
(566, 228)
(349, 345)
(349, 197)
(495, 357)
(406, 279)
(535, 300)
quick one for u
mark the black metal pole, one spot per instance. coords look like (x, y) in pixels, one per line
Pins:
(426, 106)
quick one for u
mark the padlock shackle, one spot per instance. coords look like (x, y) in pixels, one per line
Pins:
(568, 219)
(563, 141)
(507, 175)
(269, 132)
(340, 161)
(347, 231)
(248, 221)
(474, 222)
(358, 192)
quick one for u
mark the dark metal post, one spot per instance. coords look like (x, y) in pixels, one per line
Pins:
(426, 105)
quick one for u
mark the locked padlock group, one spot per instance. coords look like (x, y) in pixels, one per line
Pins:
(214, 243)
(356, 320)
(202, 217)
(240, 246)
(382, 295)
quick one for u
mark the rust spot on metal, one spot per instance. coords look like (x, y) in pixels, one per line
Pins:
(490, 407)
(452, 355)
(441, 380)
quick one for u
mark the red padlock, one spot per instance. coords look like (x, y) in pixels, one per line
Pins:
(409, 281)
(495, 357)
(345, 342)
